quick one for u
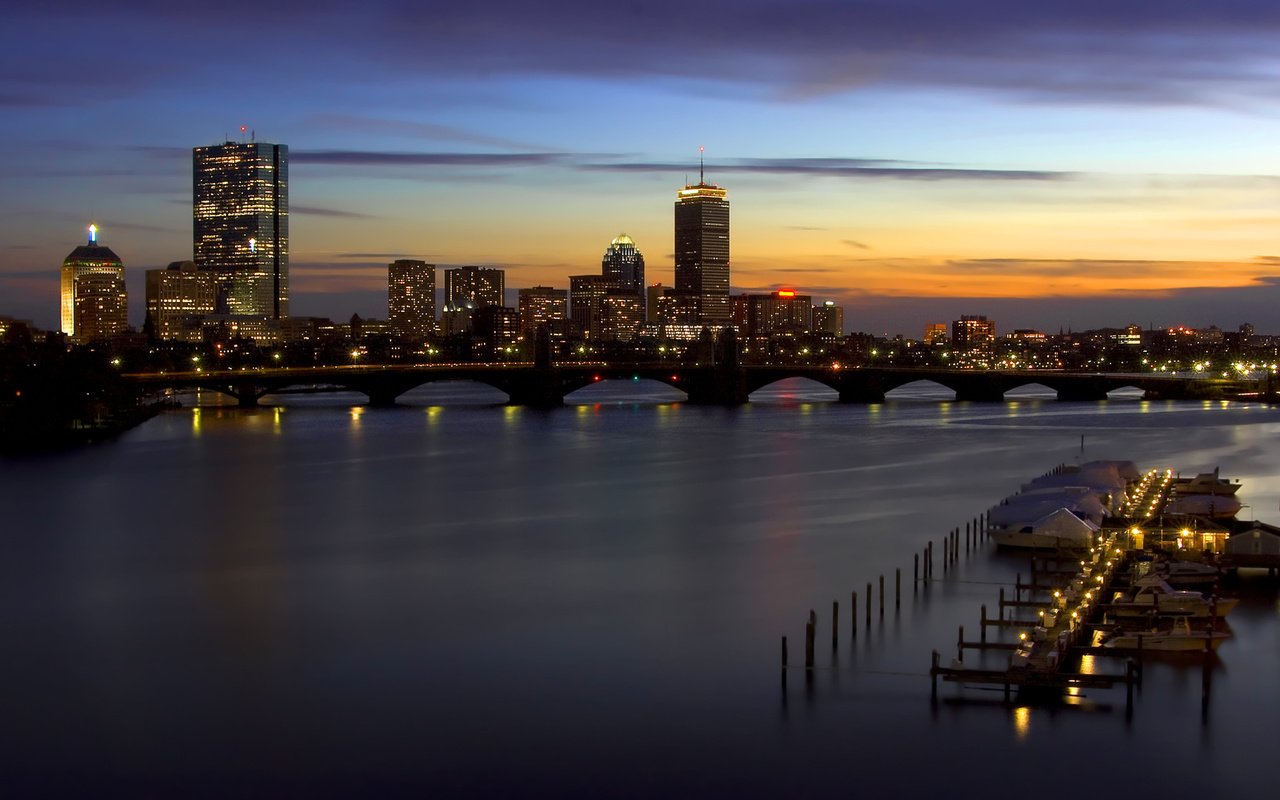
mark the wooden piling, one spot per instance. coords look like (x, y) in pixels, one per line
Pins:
(983, 626)
(835, 624)
(853, 614)
(960, 645)
(897, 589)
(868, 606)
(784, 652)
(928, 562)
(881, 595)
(808, 640)
(915, 568)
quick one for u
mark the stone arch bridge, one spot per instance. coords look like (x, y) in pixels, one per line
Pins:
(547, 386)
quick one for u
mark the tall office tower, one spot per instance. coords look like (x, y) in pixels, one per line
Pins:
(483, 286)
(828, 318)
(782, 312)
(178, 296)
(100, 306)
(623, 267)
(586, 298)
(411, 298)
(240, 208)
(540, 305)
(973, 333)
(702, 252)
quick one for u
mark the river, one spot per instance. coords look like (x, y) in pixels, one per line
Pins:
(458, 598)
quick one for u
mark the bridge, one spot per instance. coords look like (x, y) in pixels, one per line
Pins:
(544, 385)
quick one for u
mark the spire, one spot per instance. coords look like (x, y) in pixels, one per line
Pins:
(702, 179)
(93, 233)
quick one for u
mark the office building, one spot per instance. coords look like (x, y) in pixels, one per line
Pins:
(240, 207)
(621, 316)
(93, 301)
(542, 305)
(973, 333)
(935, 333)
(828, 318)
(702, 253)
(586, 297)
(783, 312)
(411, 298)
(481, 286)
(623, 267)
(178, 298)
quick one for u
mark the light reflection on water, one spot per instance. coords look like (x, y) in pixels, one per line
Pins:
(582, 601)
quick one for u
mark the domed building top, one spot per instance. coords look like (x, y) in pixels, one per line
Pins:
(92, 254)
(622, 239)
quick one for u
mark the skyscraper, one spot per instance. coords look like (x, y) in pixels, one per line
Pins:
(94, 303)
(411, 298)
(240, 210)
(540, 305)
(702, 252)
(623, 266)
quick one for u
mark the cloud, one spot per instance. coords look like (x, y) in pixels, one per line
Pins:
(855, 244)
(391, 256)
(317, 211)
(1147, 52)
(412, 129)
(1269, 280)
(839, 168)
(374, 158)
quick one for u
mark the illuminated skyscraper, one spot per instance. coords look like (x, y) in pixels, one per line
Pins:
(411, 298)
(623, 266)
(240, 207)
(973, 332)
(540, 305)
(828, 318)
(702, 253)
(94, 303)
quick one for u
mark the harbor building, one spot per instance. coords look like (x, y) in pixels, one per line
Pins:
(93, 301)
(240, 210)
(411, 298)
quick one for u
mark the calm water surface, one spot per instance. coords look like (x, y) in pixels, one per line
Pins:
(459, 598)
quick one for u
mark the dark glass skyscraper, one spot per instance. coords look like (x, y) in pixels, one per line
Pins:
(702, 253)
(240, 206)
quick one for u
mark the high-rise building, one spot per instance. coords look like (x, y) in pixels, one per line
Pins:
(240, 207)
(828, 318)
(178, 298)
(780, 313)
(539, 305)
(586, 298)
(94, 303)
(702, 253)
(973, 333)
(483, 286)
(623, 267)
(411, 298)
(935, 333)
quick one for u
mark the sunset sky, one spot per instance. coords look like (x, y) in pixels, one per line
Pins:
(1050, 164)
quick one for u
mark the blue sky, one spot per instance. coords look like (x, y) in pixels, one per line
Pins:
(1050, 165)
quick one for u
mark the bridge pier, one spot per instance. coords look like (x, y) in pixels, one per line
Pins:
(541, 388)
(383, 398)
(979, 394)
(864, 396)
(1081, 395)
(246, 399)
(717, 386)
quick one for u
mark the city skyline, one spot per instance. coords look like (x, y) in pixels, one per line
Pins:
(1068, 165)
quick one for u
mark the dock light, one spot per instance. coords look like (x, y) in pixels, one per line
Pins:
(1022, 636)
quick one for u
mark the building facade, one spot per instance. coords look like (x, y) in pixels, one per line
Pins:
(541, 305)
(240, 209)
(702, 253)
(586, 299)
(482, 286)
(828, 318)
(178, 298)
(92, 298)
(411, 298)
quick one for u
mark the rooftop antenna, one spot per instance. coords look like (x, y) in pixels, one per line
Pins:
(243, 129)
(93, 233)
(702, 180)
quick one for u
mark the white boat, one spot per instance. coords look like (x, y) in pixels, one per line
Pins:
(1157, 596)
(1060, 530)
(1204, 505)
(1206, 483)
(1181, 573)
(1179, 638)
